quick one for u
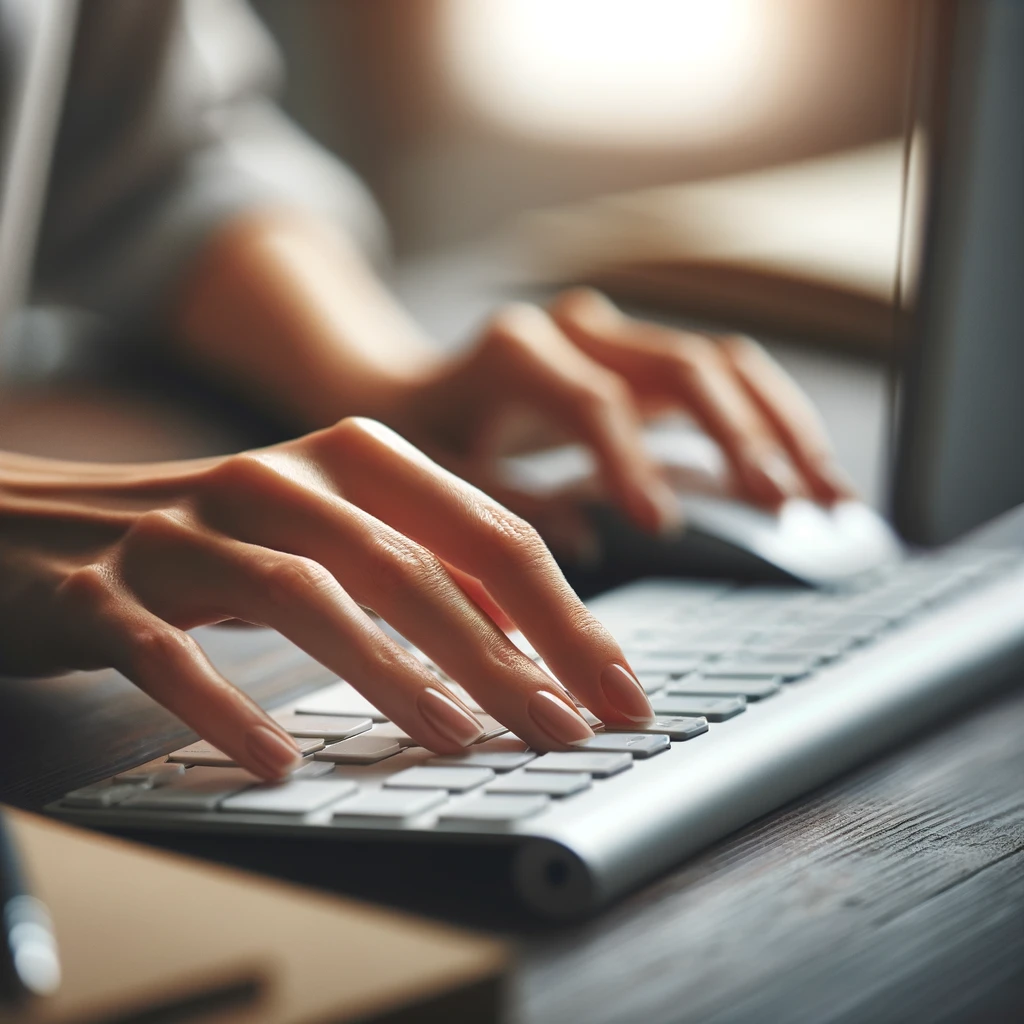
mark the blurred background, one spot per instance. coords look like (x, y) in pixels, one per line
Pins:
(735, 161)
(459, 113)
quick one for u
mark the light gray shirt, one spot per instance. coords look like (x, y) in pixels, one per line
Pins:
(169, 129)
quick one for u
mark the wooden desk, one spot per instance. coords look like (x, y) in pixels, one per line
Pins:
(896, 894)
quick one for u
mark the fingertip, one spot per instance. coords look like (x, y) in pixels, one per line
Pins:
(272, 754)
(837, 482)
(772, 480)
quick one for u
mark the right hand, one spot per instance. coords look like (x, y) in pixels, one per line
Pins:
(109, 565)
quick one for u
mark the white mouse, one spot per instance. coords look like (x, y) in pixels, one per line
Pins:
(724, 536)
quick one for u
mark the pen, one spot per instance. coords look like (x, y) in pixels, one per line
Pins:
(29, 965)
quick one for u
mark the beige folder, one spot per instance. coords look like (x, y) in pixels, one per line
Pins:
(140, 929)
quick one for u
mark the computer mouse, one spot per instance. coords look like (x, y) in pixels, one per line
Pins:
(724, 536)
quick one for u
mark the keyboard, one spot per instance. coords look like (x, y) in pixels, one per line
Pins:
(761, 694)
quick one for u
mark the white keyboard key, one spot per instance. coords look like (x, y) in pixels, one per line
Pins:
(674, 728)
(763, 667)
(714, 709)
(491, 727)
(199, 789)
(547, 783)
(101, 794)
(652, 682)
(671, 664)
(466, 697)
(724, 686)
(313, 770)
(390, 731)
(492, 809)
(455, 780)
(390, 804)
(330, 728)
(298, 796)
(600, 765)
(364, 749)
(639, 745)
(496, 760)
(339, 699)
(206, 754)
(151, 774)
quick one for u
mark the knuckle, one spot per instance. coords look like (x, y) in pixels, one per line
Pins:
(354, 431)
(512, 537)
(154, 647)
(158, 527)
(692, 348)
(514, 321)
(245, 473)
(295, 576)
(87, 588)
(406, 566)
(603, 391)
(581, 306)
(692, 357)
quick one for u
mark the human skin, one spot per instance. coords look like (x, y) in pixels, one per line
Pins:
(110, 565)
(292, 316)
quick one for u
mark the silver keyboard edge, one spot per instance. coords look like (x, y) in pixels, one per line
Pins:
(743, 769)
(583, 853)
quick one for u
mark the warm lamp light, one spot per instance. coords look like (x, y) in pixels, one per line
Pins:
(612, 70)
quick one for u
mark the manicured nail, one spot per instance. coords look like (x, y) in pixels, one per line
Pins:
(448, 718)
(838, 479)
(275, 752)
(625, 694)
(557, 719)
(668, 508)
(779, 476)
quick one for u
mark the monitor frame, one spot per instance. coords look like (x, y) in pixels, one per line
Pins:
(958, 425)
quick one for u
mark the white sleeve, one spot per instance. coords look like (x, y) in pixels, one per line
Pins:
(169, 130)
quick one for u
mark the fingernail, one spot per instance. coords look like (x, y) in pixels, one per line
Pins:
(668, 508)
(839, 480)
(780, 475)
(625, 694)
(448, 718)
(276, 753)
(557, 719)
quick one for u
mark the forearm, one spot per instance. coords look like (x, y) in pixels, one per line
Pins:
(287, 313)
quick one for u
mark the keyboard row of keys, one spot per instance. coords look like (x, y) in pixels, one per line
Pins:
(504, 779)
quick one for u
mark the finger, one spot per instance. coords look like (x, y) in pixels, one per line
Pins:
(662, 362)
(558, 517)
(481, 597)
(591, 403)
(383, 474)
(186, 574)
(409, 587)
(792, 415)
(170, 666)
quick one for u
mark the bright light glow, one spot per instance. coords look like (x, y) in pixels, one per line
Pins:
(614, 70)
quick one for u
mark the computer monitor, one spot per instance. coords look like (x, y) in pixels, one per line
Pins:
(35, 43)
(959, 452)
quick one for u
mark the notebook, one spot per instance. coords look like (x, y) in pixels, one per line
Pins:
(146, 935)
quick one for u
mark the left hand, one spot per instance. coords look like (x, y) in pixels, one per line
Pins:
(594, 374)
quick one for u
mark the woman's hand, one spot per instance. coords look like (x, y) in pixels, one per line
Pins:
(278, 308)
(595, 374)
(109, 565)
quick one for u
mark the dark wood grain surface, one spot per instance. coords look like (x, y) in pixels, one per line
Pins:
(896, 894)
